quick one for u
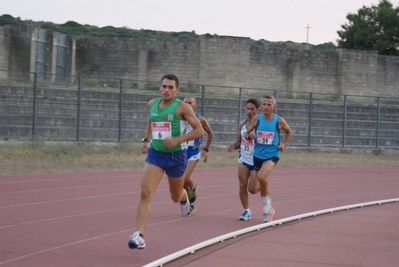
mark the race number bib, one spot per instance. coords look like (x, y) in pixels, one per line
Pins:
(264, 138)
(161, 130)
(247, 145)
(188, 130)
(190, 143)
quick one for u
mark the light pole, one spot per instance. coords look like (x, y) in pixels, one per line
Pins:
(307, 37)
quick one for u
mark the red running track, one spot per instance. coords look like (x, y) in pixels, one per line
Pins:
(85, 219)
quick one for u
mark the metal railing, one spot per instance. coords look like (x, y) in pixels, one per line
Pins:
(114, 109)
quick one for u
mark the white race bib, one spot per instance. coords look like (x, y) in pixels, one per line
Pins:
(247, 145)
(264, 138)
(161, 130)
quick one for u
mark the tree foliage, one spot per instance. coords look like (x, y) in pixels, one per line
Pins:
(372, 28)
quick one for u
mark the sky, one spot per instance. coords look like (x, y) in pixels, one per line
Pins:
(277, 20)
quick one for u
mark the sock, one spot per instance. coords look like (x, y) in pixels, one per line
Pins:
(267, 201)
(184, 201)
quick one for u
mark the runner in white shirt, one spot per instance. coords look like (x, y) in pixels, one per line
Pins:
(246, 171)
(194, 153)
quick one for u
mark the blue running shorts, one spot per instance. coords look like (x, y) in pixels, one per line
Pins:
(174, 163)
(250, 167)
(191, 157)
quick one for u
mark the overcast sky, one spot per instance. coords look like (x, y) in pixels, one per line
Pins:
(277, 20)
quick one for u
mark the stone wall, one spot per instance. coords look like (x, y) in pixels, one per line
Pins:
(214, 60)
(15, 48)
(4, 54)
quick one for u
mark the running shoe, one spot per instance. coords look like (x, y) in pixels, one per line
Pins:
(269, 216)
(192, 208)
(185, 207)
(267, 206)
(136, 241)
(245, 216)
(192, 194)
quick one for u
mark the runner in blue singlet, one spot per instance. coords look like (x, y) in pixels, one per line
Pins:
(268, 145)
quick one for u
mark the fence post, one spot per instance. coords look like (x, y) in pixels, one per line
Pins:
(34, 105)
(344, 123)
(78, 108)
(120, 109)
(202, 100)
(378, 122)
(239, 105)
(310, 118)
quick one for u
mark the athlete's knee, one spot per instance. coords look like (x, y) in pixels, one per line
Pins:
(243, 186)
(146, 195)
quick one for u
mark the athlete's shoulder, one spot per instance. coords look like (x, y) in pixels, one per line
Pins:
(152, 101)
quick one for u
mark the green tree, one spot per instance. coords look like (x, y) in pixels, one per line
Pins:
(372, 28)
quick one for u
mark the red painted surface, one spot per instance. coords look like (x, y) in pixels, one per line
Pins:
(85, 219)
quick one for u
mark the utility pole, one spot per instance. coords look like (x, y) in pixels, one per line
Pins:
(307, 37)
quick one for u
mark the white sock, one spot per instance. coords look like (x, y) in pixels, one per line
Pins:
(267, 200)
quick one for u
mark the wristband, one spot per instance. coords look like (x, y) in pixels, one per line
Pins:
(206, 149)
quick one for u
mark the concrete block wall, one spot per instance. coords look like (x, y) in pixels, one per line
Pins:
(387, 76)
(224, 60)
(216, 60)
(15, 46)
(4, 54)
(101, 57)
(173, 56)
(293, 70)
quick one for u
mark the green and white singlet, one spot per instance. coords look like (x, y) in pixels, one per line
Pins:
(164, 124)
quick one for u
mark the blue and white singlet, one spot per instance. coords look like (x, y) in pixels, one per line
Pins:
(246, 148)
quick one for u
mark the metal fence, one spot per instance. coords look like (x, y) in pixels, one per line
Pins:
(41, 107)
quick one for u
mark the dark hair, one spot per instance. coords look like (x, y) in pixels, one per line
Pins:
(270, 97)
(253, 101)
(171, 77)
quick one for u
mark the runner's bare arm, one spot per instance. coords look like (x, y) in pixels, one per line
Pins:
(185, 111)
(207, 128)
(250, 126)
(288, 133)
(237, 143)
(145, 145)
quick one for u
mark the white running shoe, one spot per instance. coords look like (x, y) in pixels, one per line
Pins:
(269, 216)
(185, 207)
(136, 241)
(245, 216)
(267, 205)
